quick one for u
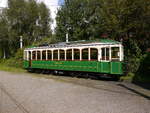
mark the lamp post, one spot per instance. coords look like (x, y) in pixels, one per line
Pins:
(67, 34)
(21, 42)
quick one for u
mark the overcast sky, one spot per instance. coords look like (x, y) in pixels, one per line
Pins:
(51, 4)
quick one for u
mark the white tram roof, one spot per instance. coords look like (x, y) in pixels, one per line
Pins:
(81, 43)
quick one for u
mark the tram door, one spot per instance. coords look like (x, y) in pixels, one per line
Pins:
(105, 61)
(30, 61)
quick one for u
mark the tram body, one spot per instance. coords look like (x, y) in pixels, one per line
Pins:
(103, 56)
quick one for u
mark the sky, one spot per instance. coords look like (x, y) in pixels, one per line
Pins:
(53, 5)
(3, 3)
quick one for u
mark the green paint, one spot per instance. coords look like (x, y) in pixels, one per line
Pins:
(105, 67)
(88, 66)
(26, 64)
(116, 67)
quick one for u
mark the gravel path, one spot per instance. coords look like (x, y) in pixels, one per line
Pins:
(27, 93)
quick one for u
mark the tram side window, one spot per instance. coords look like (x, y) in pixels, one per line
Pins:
(34, 55)
(62, 54)
(49, 55)
(43, 55)
(94, 54)
(55, 54)
(115, 53)
(105, 54)
(85, 54)
(76, 54)
(38, 55)
(69, 54)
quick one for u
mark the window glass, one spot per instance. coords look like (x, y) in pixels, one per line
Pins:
(49, 55)
(29, 55)
(76, 54)
(69, 54)
(94, 54)
(105, 54)
(33, 55)
(38, 55)
(85, 54)
(62, 54)
(43, 55)
(115, 53)
(55, 54)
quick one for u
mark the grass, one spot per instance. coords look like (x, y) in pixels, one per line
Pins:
(128, 77)
(4, 67)
(131, 77)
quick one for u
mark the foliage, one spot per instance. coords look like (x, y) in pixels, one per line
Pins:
(119, 19)
(122, 20)
(14, 64)
(144, 70)
(133, 55)
(16, 60)
(128, 77)
(46, 41)
(79, 18)
(25, 18)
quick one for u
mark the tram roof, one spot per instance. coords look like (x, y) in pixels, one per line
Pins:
(78, 44)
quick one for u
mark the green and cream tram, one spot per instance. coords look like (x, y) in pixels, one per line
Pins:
(103, 56)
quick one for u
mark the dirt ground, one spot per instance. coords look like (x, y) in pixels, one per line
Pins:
(37, 93)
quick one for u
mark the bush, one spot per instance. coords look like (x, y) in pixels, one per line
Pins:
(16, 61)
(133, 56)
(143, 73)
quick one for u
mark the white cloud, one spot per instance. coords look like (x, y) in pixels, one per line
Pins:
(3, 3)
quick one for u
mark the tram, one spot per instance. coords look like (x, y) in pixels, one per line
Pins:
(102, 56)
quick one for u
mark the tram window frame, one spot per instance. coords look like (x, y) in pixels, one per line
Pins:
(105, 54)
(62, 54)
(55, 55)
(69, 54)
(28, 55)
(76, 54)
(33, 55)
(49, 55)
(44, 55)
(85, 54)
(38, 53)
(115, 57)
(92, 57)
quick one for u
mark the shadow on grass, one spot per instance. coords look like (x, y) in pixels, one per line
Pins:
(135, 91)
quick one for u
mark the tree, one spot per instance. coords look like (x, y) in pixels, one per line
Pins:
(4, 42)
(80, 18)
(28, 19)
(121, 20)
